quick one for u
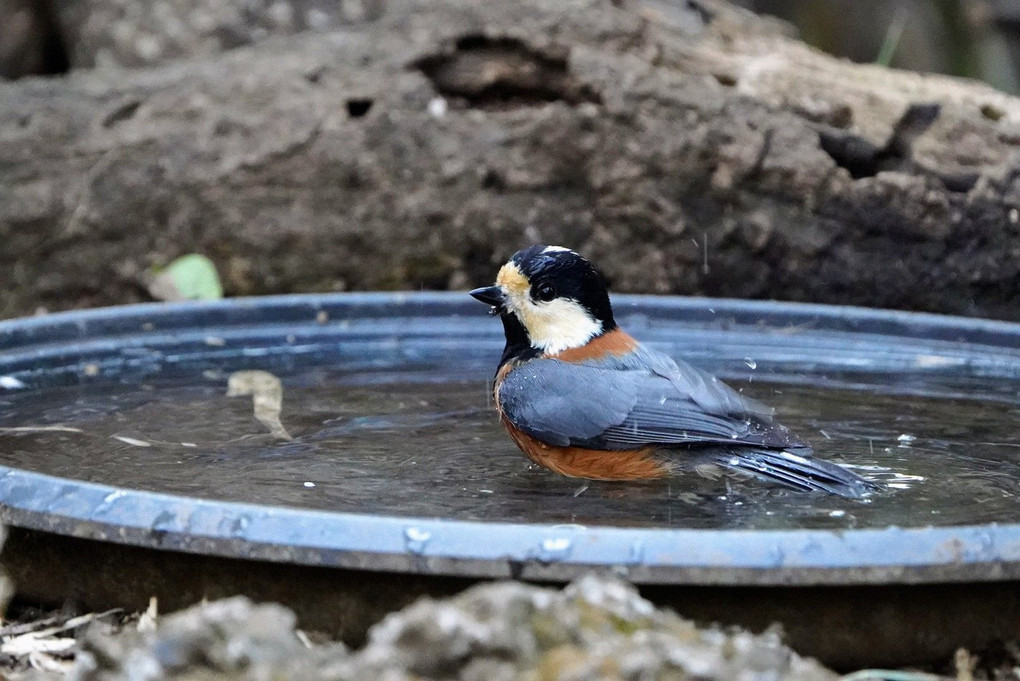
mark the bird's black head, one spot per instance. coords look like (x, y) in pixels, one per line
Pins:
(550, 299)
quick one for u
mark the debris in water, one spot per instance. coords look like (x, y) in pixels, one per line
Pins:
(266, 392)
(11, 383)
(132, 441)
(40, 429)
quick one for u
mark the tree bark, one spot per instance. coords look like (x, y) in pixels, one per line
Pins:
(686, 148)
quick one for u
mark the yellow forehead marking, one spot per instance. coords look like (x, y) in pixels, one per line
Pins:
(512, 279)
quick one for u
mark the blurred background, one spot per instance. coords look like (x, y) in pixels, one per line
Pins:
(971, 38)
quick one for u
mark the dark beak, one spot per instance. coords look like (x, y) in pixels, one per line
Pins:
(490, 295)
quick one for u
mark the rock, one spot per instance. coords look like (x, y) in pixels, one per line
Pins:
(595, 628)
(233, 637)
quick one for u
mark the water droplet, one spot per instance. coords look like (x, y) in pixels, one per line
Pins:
(108, 501)
(554, 548)
(750, 363)
(905, 439)
(133, 441)
(987, 544)
(10, 383)
(309, 484)
(240, 524)
(113, 496)
(415, 539)
(838, 513)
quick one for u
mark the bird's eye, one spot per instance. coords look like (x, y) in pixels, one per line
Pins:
(545, 292)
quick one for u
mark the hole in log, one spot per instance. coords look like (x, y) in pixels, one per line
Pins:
(725, 79)
(992, 112)
(356, 108)
(121, 113)
(504, 72)
(493, 180)
(864, 159)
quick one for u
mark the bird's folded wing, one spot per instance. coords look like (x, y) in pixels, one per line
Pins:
(562, 404)
(704, 389)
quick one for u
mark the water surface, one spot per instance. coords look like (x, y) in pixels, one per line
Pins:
(407, 444)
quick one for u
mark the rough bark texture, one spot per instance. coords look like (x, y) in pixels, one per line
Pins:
(687, 148)
(131, 33)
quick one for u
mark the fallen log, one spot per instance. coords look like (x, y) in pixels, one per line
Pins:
(686, 148)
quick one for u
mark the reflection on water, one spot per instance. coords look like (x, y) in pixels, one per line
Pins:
(400, 445)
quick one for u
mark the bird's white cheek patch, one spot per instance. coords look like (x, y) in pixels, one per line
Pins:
(554, 326)
(558, 325)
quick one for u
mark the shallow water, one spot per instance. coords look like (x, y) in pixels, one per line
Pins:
(401, 444)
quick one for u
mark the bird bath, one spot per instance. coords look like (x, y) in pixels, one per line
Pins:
(127, 470)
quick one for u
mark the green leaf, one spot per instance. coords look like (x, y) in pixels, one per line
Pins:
(191, 277)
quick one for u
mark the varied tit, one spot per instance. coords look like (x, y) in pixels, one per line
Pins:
(581, 397)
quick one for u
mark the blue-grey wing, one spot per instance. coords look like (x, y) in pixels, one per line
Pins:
(559, 403)
(662, 415)
(623, 407)
(708, 392)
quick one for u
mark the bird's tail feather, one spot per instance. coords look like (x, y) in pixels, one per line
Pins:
(796, 471)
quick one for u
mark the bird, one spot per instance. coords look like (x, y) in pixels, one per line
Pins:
(583, 398)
